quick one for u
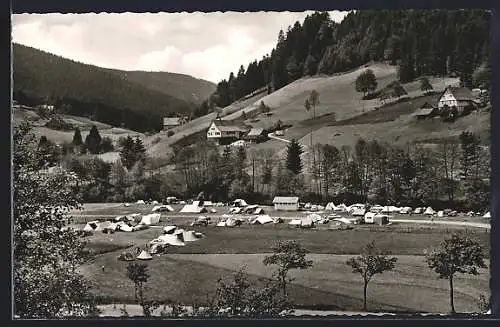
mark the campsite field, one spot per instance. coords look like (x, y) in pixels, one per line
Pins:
(189, 274)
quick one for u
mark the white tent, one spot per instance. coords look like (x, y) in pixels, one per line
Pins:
(376, 208)
(154, 203)
(193, 208)
(358, 211)
(150, 219)
(169, 229)
(140, 202)
(314, 217)
(105, 225)
(405, 210)
(230, 222)
(295, 222)
(88, 227)
(258, 211)
(139, 227)
(440, 213)
(178, 231)
(330, 206)
(190, 236)
(126, 204)
(277, 220)
(320, 207)
(487, 215)
(171, 239)
(208, 204)
(213, 210)
(429, 211)
(121, 226)
(240, 203)
(307, 222)
(221, 223)
(144, 255)
(262, 219)
(341, 208)
(161, 208)
(343, 220)
(418, 211)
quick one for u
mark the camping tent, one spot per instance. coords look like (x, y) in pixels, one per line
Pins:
(429, 211)
(213, 210)
(405, 210)
(295, 222)
(330, 206)
(358, 211)
(307, 222)
(126, 256)
(235, 210)
(140, 202)
(170, 239)
(487, 215)
(151, 219)
(343, 220)
(440, 213)
(320, 207)
(139, 227)
(262, 219)
(340, 208)
(208, 204)
(104, 226)
(314, 217)
(381, 219)
(144, 255)
(221, 223)
(418, 211)
(193, 208)
(91, 225)
(154, 203)
(277, 220)
(169, 229)
(162, 208)
(122, 226)
(240, 203)
(230, 222)
(190, 236)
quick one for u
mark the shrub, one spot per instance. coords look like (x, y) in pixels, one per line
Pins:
(107, 145)
(170, 133)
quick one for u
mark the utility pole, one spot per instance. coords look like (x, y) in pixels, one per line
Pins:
(253, 174)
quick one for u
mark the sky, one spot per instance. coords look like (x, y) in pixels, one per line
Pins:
(203, 45)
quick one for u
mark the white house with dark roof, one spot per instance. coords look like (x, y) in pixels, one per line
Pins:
(286, 203)
(459, 97)
(225, 131)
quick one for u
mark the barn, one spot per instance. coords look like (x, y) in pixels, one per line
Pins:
(286, 203)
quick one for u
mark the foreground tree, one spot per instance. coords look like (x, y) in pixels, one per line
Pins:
(77, 137)
(457, 254)
(46, 255)
(366, 82)
(138, 274)
(370, 263)
(287, 255)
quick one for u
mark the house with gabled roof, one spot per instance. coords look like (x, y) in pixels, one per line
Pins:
(171, 122)
(225, 131)
(427, 110)
(458, 97)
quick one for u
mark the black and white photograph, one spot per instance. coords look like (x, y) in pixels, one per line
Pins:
(267, 164)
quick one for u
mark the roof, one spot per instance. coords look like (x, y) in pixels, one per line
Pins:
(286, 199)
(427, 105)
(460, 93)
(255, 132)
(228, 126)
(173, 121)
(423, 112)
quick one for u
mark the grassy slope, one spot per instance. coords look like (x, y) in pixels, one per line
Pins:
(83, 123)
(162, 146)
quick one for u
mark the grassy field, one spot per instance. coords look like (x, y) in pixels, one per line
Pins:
(329, 284)
(188, 274)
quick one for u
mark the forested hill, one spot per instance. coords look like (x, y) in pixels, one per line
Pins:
(184, 87)
(420, 42)
(90, 91)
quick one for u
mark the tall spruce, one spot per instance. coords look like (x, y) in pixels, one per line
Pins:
(77, 137)
(293, 160)
(93, 140)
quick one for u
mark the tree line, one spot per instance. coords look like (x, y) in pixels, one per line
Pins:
(419, 42)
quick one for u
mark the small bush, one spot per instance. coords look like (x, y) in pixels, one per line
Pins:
(170, 133)
(107, 145)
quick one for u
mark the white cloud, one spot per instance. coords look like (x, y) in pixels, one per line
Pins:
(204, 45)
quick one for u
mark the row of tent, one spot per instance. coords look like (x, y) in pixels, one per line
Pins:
(313, 219)
(123, 223)
(230, 221)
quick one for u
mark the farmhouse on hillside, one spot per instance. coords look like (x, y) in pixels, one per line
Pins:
(225, 132)
(286, 203)
(426, 111)
(458, 97)
(171, 122)
(255, 134)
